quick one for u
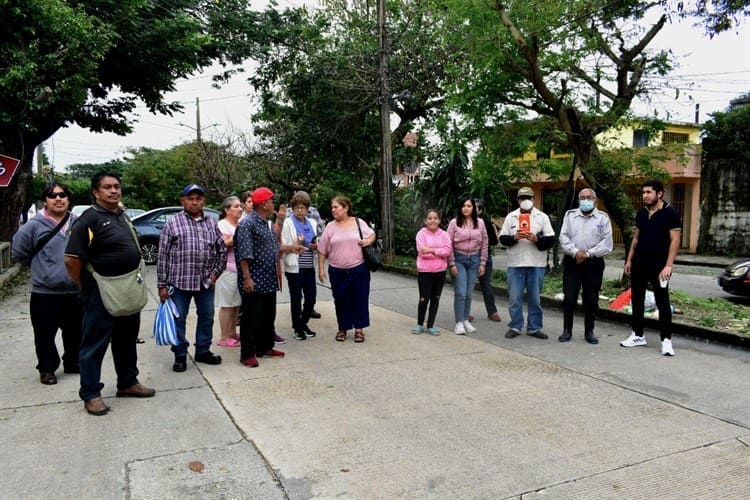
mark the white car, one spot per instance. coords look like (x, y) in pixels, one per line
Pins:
(130, 212)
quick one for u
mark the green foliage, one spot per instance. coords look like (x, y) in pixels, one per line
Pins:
(349, 184)
(156, 178)
(446, 180)
(727, 134)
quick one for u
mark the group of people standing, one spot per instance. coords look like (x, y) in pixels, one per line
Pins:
(465, 249)
(237, 264)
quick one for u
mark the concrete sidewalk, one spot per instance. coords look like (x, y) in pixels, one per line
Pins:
(400, 416)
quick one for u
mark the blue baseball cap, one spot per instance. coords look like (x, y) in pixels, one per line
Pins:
(193, 187)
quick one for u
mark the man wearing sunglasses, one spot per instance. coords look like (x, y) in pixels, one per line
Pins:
(54, 304)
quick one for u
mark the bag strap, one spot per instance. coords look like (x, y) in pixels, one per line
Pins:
(359, 228)
(45, 239)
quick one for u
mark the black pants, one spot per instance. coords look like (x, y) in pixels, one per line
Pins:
(301, 284)
(48, 313)
(586, 276)
(430, 288)
(640, 276)
(257, 323)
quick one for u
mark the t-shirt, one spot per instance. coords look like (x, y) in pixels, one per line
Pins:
(105, 240)
(227, 229)
(341, 245)
(654, 235)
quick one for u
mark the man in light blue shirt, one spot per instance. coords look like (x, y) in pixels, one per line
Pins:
(585, 238)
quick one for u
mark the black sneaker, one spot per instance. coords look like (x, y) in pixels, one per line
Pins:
(315, 314)
(300, 335)
(309, 332)
(208, 357)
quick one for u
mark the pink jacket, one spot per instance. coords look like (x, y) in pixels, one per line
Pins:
(469, 240)
(441, 242)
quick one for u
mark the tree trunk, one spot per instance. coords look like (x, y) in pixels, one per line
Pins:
(13, 198)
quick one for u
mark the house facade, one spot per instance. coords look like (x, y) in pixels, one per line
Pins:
(682, 191)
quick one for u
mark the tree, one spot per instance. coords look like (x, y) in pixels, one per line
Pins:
(580, 63)
(716, 15)
(319, 89)
(727, 134)
(89, 61)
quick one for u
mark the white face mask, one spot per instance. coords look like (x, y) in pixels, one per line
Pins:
(526, 204)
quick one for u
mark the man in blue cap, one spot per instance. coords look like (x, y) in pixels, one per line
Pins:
(192, 255)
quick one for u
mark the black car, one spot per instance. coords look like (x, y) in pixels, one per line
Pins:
(148, 227)
(736, 278)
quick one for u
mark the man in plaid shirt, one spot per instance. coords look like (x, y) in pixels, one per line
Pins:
(192, 255)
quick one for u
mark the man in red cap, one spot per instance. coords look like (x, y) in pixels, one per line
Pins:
(256, 250)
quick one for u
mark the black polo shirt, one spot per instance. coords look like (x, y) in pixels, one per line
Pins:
(104, 239)
(654, 239)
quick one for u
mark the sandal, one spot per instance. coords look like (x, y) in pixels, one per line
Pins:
(341, 336)
(359, 336)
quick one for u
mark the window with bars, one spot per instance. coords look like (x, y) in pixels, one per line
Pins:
(674, 137)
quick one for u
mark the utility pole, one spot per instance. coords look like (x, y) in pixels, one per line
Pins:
(198, 120)
(197, 127)
(386, 157)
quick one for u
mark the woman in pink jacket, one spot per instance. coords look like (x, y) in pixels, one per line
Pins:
(470, 250)
(434, 246)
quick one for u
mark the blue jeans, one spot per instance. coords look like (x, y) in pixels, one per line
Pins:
(463, 284)
(99, 330)
(529, 279)
(204, 329)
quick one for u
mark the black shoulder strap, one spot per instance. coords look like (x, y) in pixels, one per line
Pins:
(45, 239)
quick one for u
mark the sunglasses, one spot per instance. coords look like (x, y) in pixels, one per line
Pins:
(52, 196)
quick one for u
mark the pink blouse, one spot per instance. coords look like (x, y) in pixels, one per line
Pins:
(341, 246)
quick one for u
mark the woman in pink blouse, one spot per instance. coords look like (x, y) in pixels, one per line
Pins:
(470, 248)
(227, 292)
(350, 276)
(434, 247)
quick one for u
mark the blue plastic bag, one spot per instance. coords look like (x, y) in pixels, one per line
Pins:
(165, 331)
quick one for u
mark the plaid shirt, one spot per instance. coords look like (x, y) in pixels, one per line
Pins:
(190, 251)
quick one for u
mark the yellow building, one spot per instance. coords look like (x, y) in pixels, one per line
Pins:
(682, 191)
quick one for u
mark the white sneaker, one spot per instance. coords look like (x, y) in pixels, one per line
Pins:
(469, 327)
(460, 330)
(633, 341)
(666, 347)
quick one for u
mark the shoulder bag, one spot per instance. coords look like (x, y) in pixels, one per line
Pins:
(125, 294)
(370, 254)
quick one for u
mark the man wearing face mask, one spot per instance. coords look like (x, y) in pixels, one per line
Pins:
(527, 233)
(585, 238)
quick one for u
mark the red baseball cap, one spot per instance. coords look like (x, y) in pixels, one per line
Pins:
(260, 195)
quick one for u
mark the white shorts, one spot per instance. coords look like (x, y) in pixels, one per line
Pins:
(227, 292)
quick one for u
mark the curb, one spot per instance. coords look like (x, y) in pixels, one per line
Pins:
(9, 274)
(682, 329)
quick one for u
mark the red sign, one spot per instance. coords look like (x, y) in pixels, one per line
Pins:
(8, 167)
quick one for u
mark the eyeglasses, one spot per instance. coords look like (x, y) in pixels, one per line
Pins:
(61, 195)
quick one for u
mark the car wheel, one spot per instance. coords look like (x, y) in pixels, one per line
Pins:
(150, 253)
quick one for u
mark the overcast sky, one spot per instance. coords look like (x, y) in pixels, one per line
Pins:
(712, 72)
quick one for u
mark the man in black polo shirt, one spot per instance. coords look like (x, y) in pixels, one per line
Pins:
(102, 237)
(650, 260)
